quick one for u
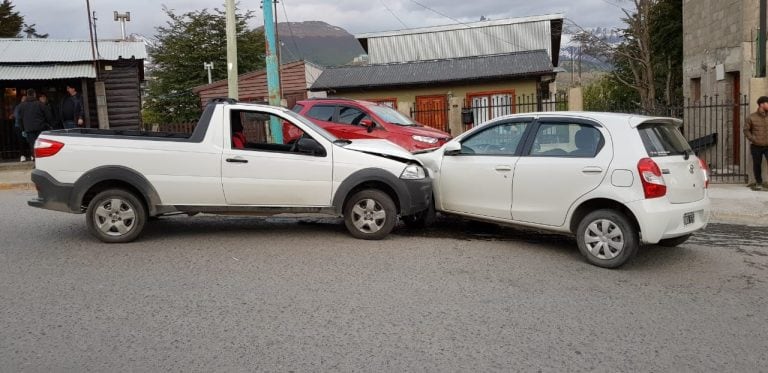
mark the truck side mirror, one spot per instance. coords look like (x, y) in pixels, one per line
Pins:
(310, 146)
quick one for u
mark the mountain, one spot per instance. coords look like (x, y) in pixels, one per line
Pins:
(569, 47)
(318, 42)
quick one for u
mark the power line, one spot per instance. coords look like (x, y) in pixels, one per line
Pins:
(469, 26)
(393, 13)
(295, 45)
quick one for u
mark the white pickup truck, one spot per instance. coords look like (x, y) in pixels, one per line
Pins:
(240, 159)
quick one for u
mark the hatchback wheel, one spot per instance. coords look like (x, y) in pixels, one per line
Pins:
(116, 216)
(370, 214)
(606, 238)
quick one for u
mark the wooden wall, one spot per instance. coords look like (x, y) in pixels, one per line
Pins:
(253, 86)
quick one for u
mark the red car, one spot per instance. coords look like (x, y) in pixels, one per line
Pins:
(355, 119)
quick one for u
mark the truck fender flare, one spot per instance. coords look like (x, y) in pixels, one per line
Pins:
(116, 173)
(364, 176)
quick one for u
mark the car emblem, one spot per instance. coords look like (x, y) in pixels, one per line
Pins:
(690, 168)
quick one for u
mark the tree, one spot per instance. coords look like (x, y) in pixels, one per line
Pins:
(10, 21)
(186, 42)
(648, 62)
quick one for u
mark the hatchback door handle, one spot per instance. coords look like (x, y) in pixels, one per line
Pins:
(592, 170)
(237, 160)
(503, 168)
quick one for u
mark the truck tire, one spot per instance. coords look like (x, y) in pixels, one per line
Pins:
(116, 216)
(370, 214)
(606, 238)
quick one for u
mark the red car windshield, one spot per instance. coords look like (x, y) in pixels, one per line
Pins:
(392, 116)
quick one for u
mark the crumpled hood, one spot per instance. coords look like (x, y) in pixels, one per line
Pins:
(383, 148)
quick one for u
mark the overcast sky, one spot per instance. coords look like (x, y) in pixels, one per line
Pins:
(67, 18)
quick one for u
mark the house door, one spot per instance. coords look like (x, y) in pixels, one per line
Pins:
(432, 111)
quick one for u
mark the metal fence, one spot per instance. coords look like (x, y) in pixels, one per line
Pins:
(713, 127)
(480, 109)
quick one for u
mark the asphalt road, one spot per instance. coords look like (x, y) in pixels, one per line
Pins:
(233, 294)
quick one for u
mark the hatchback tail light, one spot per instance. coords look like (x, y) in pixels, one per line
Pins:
(650, 176)
(705, 170)
(46, 148)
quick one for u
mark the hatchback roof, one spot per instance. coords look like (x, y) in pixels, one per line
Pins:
(633, 120)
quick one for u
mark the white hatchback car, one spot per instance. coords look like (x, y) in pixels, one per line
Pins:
(616, 181)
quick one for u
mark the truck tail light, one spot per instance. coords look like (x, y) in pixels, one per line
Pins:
(47, 148)
(705, 170)
(650, 176)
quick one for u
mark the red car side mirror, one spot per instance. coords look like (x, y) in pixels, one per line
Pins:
(367, 123)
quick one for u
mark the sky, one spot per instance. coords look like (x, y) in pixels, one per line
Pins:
(66, 19)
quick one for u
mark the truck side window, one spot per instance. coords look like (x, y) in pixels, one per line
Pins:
(252, 130)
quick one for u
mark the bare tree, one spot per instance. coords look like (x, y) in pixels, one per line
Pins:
(637, 52)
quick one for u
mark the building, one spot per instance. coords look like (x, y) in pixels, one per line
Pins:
(489, 67)
(48, 65)
(295, 80)
(720, 79)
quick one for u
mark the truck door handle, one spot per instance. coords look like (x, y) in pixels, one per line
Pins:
(503, 168)
(237, 160)
(592, 170)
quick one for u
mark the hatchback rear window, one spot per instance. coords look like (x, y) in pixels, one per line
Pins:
(662, 140)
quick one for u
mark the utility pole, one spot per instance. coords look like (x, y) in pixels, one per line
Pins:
(231, 51)
(273, 73)
(208, 66)
(122, 18)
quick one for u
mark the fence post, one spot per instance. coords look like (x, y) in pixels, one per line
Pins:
(455, 127)
(576, 99)
(404, 108)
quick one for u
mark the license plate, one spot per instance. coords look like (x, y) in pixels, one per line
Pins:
(689, 218)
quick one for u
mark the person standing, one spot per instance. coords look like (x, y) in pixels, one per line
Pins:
(24, 147)
(756, 131)
(71, 110)
(35, 117)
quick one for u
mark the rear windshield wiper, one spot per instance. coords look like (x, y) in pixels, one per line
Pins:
(686, 154)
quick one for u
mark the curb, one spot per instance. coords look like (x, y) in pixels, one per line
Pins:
(12, 186)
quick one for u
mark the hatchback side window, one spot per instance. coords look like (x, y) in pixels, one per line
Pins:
(351, 115)
(501, 139)
(322, 112)
(567, 140)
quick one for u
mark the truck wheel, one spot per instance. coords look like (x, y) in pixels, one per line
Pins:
(420, 219)
(606, 238)
(370, 214)
(116, 216)
(672, 242)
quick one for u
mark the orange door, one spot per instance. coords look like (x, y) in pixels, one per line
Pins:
(432, 111)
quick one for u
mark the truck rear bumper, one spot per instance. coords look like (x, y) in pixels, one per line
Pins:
(51, 194)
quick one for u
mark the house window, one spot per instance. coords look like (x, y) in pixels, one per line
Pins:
(488, 105)
(696, 89)
(390, 102)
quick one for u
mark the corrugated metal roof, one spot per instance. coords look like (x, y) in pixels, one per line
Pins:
(462, 40)
(437, 71)
(53, 50)
(46, 72)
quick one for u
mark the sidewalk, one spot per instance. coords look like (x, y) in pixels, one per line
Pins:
(731, 203)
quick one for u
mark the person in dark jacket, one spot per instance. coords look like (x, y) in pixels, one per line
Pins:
(756, 131)
(71, 109)
(19, 132)
(35, 117)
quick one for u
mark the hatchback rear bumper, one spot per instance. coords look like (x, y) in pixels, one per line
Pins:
(660, 219)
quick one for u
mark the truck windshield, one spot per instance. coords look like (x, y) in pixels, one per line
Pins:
(314, 127)
(392, 116)
(662, 140)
